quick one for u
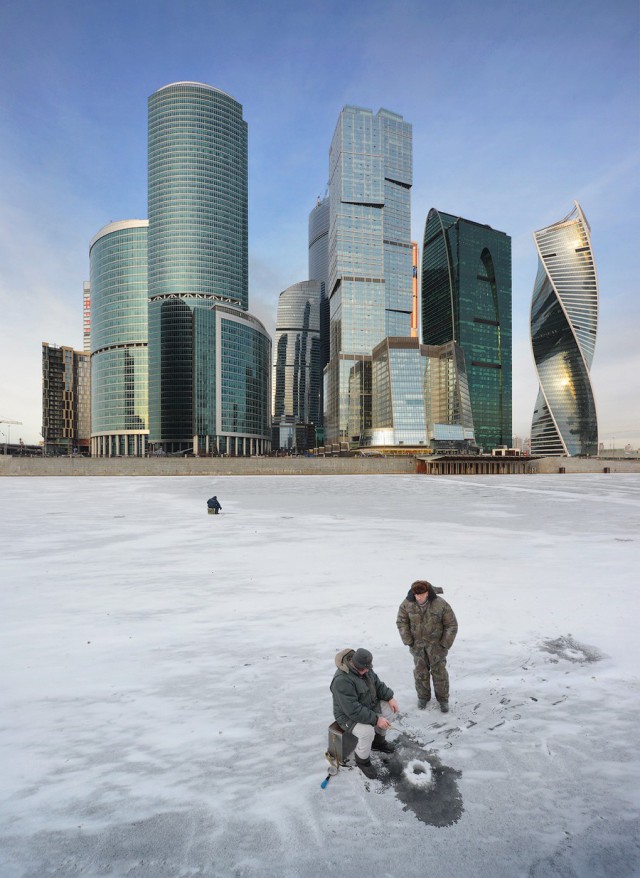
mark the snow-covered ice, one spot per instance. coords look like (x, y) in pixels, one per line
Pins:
(165, 676)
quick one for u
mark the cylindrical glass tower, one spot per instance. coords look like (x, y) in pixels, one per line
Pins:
(198, 252)
(119, 363)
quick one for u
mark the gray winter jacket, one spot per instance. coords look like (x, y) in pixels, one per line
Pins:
(356, 699)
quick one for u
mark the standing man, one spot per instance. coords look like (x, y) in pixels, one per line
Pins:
(428, 626)
(362, 705)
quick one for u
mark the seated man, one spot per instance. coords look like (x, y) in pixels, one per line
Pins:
(362, 705)
(213, 504)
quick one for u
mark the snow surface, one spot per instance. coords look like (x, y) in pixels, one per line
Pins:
(165, 675)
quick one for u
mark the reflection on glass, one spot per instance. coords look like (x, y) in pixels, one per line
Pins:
(564, 319)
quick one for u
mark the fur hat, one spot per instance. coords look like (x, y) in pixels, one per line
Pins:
(362, 659)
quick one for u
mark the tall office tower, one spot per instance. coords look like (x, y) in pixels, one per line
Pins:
(296, 370)
(66, 405)
(86, 317)
(466, 298)
(119, 351)
(564, 321)
(319, 270)
(198, 253)
(420, 396)
(370, 176)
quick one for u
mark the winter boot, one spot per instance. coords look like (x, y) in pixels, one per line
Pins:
(381, 743)
(444, 706)
(422, 702)
(366, 767)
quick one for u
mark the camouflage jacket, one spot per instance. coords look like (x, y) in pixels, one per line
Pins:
(426, 625)
(356, 698)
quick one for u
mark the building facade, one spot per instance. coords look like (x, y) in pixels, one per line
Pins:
(297, 375)
(415, 298)
(66, 402)
(564, 322)
(466, 298)
(198, 245)
(119, 350)
(370, 261)
(420, 396)
(231, 402)
(86, 317)
(319, 271)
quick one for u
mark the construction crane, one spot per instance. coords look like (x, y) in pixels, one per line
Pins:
(8, 422)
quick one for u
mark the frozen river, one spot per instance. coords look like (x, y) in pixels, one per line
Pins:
(165, 676)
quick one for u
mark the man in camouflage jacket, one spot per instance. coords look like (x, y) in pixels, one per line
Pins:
(362, 705)
(428, 626)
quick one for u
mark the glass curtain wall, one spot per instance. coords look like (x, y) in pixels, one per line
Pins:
(233, 352)
(564, 320)
(370, 164)
(466, 298)
(198, 242)
(119, 353)
(419, 395)
(296, 371)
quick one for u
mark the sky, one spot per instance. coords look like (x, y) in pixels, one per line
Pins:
(165, 695)
(517, 111)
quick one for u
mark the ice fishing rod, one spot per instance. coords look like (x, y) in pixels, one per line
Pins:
(333, 769)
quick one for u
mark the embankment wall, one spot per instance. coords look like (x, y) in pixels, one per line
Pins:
(269, 466)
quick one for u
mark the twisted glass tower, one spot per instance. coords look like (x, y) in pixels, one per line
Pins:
(564, 319)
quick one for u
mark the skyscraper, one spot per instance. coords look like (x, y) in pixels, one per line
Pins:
(370, 177)
(564, 321)
(119, 351)
(466, 298)
(319, 271)
(296, 368)
(197, 240)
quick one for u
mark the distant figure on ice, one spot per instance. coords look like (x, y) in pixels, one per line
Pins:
(214, 505)
(362, 705)
(428, 626)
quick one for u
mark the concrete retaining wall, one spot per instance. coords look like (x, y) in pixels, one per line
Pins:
(583, 465)
(268, 466)
(205, 466)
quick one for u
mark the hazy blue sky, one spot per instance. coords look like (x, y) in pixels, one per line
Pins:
(517, 110)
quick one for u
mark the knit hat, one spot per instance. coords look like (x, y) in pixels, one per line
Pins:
(362, 659)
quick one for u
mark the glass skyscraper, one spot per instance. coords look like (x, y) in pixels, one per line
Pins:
(119, 361)
(198, 251)
(466, 298)
(296, 370)
(370, 265)
(564, 321)
(420, 395)
(319, 271)
(231, 403)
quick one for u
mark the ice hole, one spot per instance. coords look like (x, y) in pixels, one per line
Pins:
(418, 773)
